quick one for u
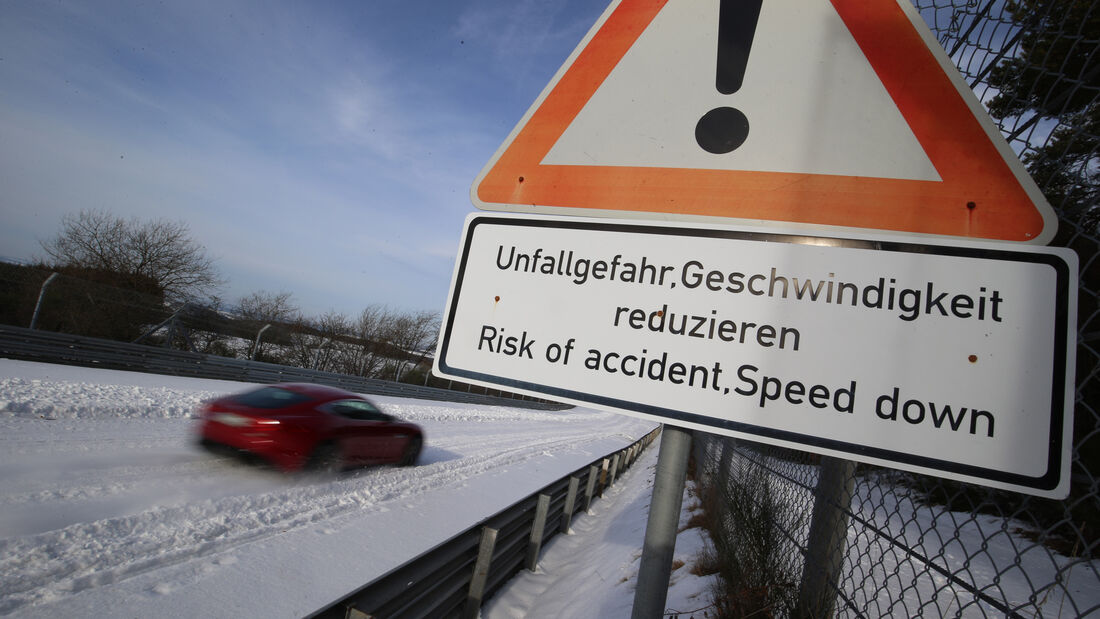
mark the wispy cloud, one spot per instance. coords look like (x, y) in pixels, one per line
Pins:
(321, 148)
(521, 34)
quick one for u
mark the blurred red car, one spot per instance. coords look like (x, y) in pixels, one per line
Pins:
(298, 426)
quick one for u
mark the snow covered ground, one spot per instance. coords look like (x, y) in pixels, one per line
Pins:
(107, 508)
(591, 573)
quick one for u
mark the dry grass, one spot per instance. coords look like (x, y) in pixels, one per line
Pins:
(744, 516)
(706, 563)
(698, 520)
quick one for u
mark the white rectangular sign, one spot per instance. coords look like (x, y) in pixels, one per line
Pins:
(946, 360)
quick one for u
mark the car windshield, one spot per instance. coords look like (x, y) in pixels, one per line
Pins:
(270, 397)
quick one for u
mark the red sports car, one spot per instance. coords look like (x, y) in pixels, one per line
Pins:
(299, 426)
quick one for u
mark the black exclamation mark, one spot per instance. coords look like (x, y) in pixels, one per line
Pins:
(723, 129)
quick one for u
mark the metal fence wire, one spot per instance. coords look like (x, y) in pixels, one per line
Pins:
(908, 545)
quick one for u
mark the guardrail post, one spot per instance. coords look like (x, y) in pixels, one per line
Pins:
(535, 542)
(614, 469)
(591, 487)
(570, 503)
(603, 474)
(481, 573)
(828, 534)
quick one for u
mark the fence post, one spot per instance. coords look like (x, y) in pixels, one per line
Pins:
(828, 534)
(727, 455)
(570, 503)
(535, 542)
(481, 573)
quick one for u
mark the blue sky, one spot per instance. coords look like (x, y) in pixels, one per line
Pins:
(320, 148)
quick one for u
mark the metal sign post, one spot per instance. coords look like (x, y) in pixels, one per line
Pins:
(661, 528)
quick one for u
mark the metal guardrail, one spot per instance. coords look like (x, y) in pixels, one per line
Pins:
(452, 579)
(49, 347)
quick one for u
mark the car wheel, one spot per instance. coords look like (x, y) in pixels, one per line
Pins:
(324, 459)
(412, 451)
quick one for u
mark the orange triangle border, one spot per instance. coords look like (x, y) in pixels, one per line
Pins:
(984, 193)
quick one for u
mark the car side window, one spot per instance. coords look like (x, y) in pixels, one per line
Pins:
(360, 410)
(271, 398)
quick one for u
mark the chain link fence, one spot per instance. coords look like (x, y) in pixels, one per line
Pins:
(903, 545)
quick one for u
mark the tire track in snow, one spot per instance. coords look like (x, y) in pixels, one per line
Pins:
(45, 566)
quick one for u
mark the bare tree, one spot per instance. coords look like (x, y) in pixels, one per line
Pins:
(274, 307)
(333, 350)
(388, 338)
(161, 250)
(373, 328)
(319, 343)
(415, 332)
(270, 309)
(412, 335)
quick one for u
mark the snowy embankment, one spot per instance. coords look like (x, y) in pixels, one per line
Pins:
(108, 509)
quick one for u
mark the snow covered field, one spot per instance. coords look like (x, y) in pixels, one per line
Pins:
(107, 508)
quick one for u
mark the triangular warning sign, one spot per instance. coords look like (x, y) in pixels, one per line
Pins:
(839, 113)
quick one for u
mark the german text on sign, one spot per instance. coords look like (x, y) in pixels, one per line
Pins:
(950, 360)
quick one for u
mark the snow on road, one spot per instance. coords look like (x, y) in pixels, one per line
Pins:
(107, 508)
